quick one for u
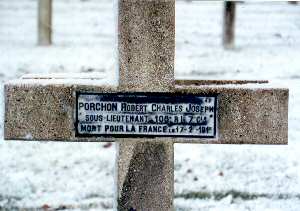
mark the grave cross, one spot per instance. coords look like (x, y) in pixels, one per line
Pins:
(148, 111)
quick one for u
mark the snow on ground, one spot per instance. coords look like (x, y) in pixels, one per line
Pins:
(79, 176)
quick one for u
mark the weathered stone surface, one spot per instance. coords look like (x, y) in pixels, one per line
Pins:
(145, 175)
(246, 115)
(43, 110)
(146, 45)
(146, 59)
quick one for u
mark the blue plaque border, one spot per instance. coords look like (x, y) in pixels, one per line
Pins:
(147, 97)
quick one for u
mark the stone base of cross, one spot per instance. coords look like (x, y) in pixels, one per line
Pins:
(148, 111)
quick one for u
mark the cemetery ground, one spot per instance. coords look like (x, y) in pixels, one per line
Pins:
(79, 176)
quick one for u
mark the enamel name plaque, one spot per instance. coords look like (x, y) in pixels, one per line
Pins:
(145, 114)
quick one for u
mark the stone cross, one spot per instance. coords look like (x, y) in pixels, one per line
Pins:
(148, 111)
(44, 22)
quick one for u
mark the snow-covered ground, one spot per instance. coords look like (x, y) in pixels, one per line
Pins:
(79, 176)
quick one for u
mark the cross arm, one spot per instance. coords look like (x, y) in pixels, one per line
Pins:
(249, 112)
(41, 107)
(44, 109)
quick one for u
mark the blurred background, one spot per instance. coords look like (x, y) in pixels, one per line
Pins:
(214, 40)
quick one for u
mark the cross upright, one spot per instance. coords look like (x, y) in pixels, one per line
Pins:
(148, 111)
